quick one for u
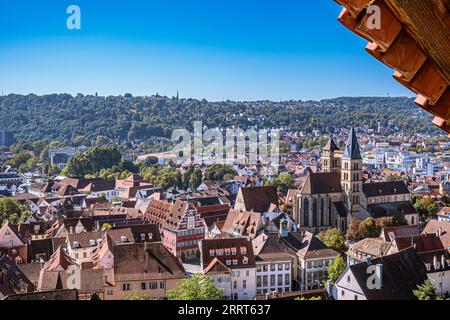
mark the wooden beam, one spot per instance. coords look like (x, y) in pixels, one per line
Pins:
(428, 22)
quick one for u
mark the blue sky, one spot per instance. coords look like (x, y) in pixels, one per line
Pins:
(213, 49)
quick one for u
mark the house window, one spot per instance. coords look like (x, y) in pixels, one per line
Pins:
(265, 281)
(287, 266)
(153, 285)
(356, 297)
(162, 285)
(84, 254)
(348, 278)
(235, 284)
(280, 267)
(272, 267)
(126, 287)
(247, 273)
(280, 279)
(143, 286)
(109, 292)
(244, 284)
(287, 280)
(272, 280)
(258, 281)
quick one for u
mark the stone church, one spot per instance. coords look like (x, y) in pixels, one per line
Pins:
(332, 197)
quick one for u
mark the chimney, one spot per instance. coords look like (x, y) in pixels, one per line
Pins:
(368, 260)
(71, 230)
(439, 232)
(379, 273)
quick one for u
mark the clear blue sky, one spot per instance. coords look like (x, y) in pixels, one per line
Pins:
(213, 49)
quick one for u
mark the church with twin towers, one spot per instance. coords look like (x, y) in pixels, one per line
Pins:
(339, 193)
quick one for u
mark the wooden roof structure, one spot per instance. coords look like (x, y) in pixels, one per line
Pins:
(413, 38)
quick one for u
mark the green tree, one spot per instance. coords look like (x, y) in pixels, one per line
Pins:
(106, 226)
(333, 238)
(426, 207)
(368, 228)
(335, 269)
(217, 172)
(11, 210)
(425, 291)
(93, 161)
(311, 299)
(198, 287)
(284, 182)
(137, 296)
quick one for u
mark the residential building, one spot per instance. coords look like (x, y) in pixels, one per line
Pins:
(237, 255)
(391, 277)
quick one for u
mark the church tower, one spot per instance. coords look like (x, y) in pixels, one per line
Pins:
(351, 174)
(330, 160)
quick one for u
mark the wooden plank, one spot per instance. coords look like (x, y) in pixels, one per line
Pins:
(428, 21)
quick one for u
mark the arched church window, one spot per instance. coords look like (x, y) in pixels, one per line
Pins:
(306, 212)
(315, 204)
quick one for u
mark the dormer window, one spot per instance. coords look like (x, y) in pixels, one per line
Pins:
(227, 251)
(211, 253)
(245, 260)
(235, 262)
(228, 262)
(243, 250)
(233, 251)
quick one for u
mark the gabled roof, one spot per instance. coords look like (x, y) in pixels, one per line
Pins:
(351, 151)
(258, 199)
(268, 247)
(312, 248)
(434, 226)
(211, 248)
(402, 272)
(321, 183)
(59, 261)
(390, 209)
(216, 267)
(151, 260)
(386, 188)
(389, 233)
(12, 279)
(248, 223)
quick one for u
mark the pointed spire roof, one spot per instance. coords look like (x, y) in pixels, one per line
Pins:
(331, 145)
(351, 151)
(59, 261)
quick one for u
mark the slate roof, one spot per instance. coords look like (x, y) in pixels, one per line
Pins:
(388, 188)
(402, 272)
(390, 209)
(12, 279)
(351, 151)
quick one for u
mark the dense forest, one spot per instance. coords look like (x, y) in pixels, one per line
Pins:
(123, 119)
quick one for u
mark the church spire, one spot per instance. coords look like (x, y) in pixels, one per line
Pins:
(352, 151)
